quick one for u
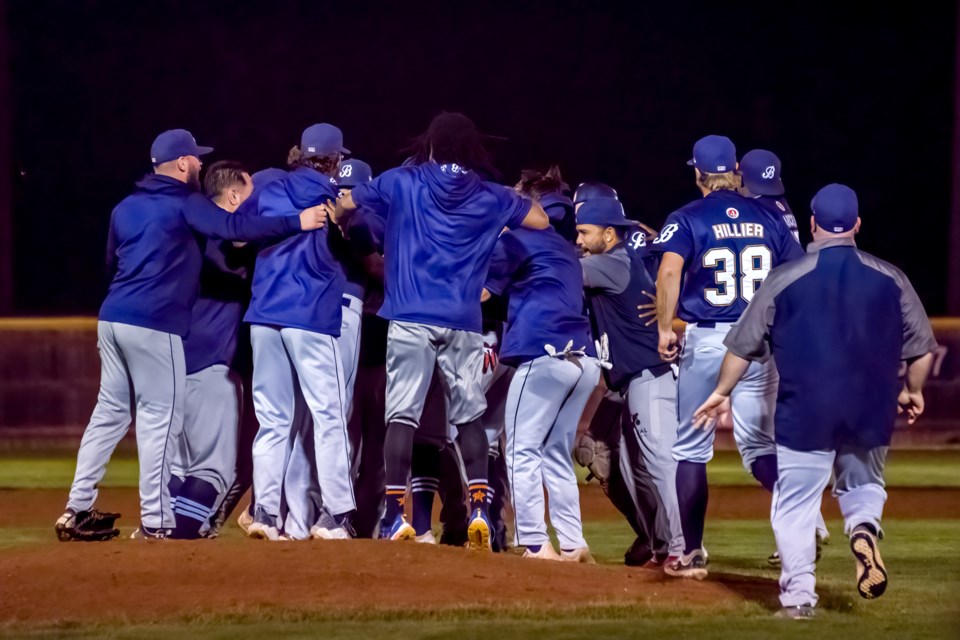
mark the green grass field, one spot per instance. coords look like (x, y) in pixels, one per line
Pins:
(921, 556)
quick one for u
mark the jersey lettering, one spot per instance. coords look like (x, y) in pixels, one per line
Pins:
(638, 239)
(755, 262)
(666, 233)
(738, 230)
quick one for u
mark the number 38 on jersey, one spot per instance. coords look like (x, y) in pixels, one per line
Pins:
(736, 275)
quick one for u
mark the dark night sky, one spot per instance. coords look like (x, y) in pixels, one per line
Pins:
(619, 95)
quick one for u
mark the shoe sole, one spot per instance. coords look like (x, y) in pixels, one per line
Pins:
(478, 535)
(406, 532)
(690, 574)
(871, 574)
(258, 534)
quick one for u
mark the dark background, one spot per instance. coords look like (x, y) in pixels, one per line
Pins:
(863, 97)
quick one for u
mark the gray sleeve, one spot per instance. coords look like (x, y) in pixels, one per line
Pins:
(918, 336)
(608, 272)
(750, 336)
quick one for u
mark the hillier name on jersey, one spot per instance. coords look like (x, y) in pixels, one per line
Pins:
(738, 230)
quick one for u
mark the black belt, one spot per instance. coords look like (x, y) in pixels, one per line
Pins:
(707, 325)
(345, 302)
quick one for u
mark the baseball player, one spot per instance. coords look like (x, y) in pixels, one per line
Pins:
(616, 280)
(548, 341)
(295, 322)
(154, 262)
(716, 252)
(548, 189)
(204, 462)
(442, 221)
(760, 173)
(802, 318)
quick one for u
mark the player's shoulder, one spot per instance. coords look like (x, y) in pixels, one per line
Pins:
(774, 204)
(884, 267)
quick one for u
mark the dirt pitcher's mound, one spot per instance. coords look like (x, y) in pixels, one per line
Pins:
(150, 580)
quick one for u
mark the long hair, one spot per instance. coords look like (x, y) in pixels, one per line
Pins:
(535, 184)
(327, 165)
(728, 181)
(453, 138)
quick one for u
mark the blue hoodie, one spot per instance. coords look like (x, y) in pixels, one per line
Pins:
(442, 223)
(297, 282)
(153, 256)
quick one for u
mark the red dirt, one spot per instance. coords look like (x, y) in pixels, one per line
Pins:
(148, 580)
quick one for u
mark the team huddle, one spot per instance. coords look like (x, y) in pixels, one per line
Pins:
(340, 344)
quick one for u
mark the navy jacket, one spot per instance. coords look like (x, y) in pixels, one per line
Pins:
(153, 256)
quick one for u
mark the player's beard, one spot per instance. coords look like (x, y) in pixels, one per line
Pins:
(193, 178)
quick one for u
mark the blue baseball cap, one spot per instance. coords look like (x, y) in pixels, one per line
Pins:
(321, 140)
(761, 172)
(835, 208)
(354, 172)
(174, 144)
(590, 190)
(714, 154)
(604, 212)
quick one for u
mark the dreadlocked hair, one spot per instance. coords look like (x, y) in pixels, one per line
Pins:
(453, 138)
(327, 165)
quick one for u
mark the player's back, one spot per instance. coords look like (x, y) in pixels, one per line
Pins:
(729, 244)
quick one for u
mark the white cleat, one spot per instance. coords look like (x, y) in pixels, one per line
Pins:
(244, 520)
(693, 566)
(261, 531)
(581, 555)
(546, 552)
(323, 533)
(426, 538)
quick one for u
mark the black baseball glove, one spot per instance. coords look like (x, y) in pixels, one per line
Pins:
(87, 526)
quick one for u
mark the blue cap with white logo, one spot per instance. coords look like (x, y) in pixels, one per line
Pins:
(174, 144)
(604, 212)
(321, 140)
(714, 154)
(354, 172)
(835, 208)
(590, 190)
(761, 172)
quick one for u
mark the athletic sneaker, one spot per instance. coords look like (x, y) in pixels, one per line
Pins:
(638, 554)
(64, 523)
(546, 552)
(245, 519)
(478, 531)
(798, 612)
(146, 533)
(871, 574)
(264, 527)
(399, 530)
(327, 528)
(426, 538)
(692, 565)
(581, 555)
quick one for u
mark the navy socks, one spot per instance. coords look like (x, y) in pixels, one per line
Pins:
(692, 499)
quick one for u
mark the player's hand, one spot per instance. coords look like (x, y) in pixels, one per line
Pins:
(911, 404)
(668, 346)
(314, 217)
(648, 310)
(707, 415)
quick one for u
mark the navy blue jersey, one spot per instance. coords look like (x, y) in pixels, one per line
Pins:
(540, 274)
(154, 259)
(297, 282)
(777, 205)
(729, 244)
(442, 223)
(218, 312)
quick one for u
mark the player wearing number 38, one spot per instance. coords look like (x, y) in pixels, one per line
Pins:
(716, 252)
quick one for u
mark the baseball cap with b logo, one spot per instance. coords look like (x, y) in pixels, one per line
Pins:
(835, 208)
(761, 172)
(354, 172)
(174, 144)
(321, 140)
(714, 154)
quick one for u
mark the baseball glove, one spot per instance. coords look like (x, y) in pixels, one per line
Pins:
(594, 455)
(87, 526)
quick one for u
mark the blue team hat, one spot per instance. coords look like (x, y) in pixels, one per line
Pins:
(761, 172)
(604, 212)
(354, 172)
(714, 154)
(590, 190)
(265, 176)
(321, 140)
(173, 144)
(835, 208)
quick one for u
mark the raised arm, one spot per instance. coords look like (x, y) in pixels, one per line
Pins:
(536, 218)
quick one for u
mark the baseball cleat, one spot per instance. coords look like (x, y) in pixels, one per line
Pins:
(399, 530)
(426, 538)
(65, 524)
(638, 554)
(144, 533)
(478, 532)
(798, 612)
(245, 519)
(327, 528)
(871, 574)
(263, 531)
(546, 552)
(692, 565)
(581, 555)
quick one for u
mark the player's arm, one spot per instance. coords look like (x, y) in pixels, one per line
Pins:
(536, 218)
(731, 371)
(668, 294)
(918, 347)
(605, 272)
(210, 220)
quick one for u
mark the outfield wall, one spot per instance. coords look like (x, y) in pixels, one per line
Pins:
(49, 375)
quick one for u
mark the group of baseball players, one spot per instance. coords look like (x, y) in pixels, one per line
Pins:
(340, 343)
